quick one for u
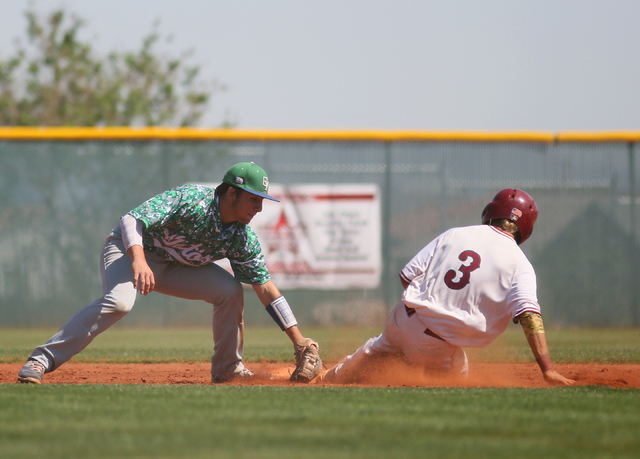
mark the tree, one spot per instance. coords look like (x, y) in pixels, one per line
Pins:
(59, 81)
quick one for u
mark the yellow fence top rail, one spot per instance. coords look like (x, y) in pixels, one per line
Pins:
(605, 136)
(275, 135)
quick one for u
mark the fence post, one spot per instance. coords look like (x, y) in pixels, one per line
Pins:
(387, 264)
(633, 272)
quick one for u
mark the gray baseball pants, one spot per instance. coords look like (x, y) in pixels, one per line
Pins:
(209, 283)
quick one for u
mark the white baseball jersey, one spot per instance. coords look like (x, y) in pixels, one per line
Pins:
(468, 283)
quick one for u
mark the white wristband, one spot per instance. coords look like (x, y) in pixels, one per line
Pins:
(281, 313)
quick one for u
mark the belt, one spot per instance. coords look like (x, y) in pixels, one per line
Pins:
(412, 311)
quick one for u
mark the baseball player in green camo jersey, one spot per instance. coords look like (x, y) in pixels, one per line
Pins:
(168, 244)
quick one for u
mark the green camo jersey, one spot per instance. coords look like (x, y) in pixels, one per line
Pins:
(183, 225)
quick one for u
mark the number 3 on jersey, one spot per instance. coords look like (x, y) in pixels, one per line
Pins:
(465, 270)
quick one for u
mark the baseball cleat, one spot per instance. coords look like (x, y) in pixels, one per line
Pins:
(242, 375)
(31, 372)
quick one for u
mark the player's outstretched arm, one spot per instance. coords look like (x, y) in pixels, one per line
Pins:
(306, 350)
(275, 303)
(534, 331)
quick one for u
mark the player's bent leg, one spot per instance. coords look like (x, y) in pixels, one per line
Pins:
(407, 332)
(438, 357)
(356, 367)
(117, 300)
(216, 286)
(84, 326)
(228, 338)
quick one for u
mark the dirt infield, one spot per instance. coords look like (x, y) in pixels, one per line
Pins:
(480, 375)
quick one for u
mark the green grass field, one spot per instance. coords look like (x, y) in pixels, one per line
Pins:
(139, 421)
(141, 345)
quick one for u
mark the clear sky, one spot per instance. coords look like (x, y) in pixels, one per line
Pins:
(551, 65)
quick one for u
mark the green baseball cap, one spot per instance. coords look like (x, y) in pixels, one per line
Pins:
(249, 177)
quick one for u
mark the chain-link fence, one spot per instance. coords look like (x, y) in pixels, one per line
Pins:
(61, 198)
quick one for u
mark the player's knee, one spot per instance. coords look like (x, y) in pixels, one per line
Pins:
(227, 291)
(122, 307)
(117, 304)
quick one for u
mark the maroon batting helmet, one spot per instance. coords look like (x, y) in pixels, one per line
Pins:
(515, 205)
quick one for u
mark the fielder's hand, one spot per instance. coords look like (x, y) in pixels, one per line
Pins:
(308, 362)
(143, 278)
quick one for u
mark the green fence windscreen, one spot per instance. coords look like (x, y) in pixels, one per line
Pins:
(60, 199)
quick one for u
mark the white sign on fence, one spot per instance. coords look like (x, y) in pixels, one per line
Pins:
(321, 236)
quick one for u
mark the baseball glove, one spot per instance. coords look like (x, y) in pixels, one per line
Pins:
(308, 362)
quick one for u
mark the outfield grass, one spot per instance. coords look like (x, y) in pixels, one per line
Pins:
(135, 421)
(567, 346)
(141, 345)
(136, 345)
